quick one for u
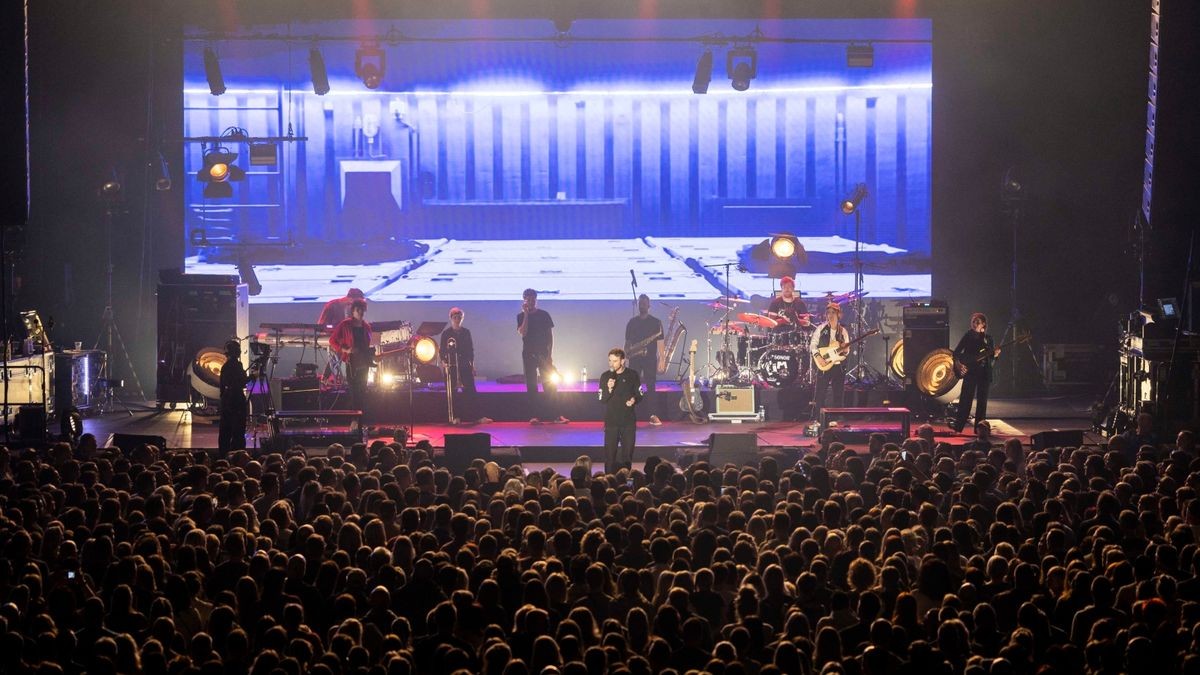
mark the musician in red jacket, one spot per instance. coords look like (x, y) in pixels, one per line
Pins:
(351, 341)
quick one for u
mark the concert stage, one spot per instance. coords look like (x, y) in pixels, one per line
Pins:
(559, 444)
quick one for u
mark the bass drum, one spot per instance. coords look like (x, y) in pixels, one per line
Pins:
(782, 367)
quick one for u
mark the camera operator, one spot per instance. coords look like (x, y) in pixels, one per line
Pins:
(233, 406)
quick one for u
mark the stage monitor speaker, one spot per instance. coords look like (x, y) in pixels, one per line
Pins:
(1057, 438)
(739, 449)
(196, 312)
(31, 422)
(461, 449)
(129, 442)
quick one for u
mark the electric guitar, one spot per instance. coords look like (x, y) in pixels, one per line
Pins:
(825, 358)
(962, 366)
(692, 403)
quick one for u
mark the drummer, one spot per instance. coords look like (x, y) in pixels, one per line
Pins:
(788, 309)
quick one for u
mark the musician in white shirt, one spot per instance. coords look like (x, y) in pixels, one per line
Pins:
(832, 331)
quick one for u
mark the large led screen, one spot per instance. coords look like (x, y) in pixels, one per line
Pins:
(499, 155)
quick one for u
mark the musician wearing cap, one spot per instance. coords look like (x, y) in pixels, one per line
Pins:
(787, 308)
(351, 340)
(643, 347)
(973, 360)
(829, 346)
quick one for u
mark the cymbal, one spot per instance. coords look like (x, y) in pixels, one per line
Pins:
(758, 320)
(781, 319)
(735, 328)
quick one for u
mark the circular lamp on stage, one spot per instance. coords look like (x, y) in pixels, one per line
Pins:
(205, 375)
(935, 377)
(424, 348)
(896, 359)
(783, 247)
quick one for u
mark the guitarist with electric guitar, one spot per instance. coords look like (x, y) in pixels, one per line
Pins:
(974, 357)
(643, 342)
(351, 341)
(829, 346)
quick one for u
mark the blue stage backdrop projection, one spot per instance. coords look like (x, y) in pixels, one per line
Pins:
(503, 159)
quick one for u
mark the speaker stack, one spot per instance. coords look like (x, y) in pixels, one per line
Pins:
(926, 328)
(196, 313)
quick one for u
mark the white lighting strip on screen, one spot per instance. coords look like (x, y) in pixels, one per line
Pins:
(359, 91)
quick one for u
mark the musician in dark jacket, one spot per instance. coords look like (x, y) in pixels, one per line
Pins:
(458, 357)
(232, 406)
(644, 345)
(974, 357)
(620, 391)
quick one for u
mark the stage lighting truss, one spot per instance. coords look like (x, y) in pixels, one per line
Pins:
(370, 64)
(741, 65)
(860, 55)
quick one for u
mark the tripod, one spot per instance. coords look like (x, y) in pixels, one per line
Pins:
(110, 192)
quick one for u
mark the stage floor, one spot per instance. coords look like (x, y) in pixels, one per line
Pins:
(556, 444)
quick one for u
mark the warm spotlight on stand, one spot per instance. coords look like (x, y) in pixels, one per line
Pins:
(780, 255)
(703, 73)
(741, 65)
(218, 171)
(370, 63)
(212, 72)
(320, 76)
(850, 204)
(424, 349)
(784, 246)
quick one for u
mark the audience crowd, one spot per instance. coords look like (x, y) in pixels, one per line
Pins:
(911, 558)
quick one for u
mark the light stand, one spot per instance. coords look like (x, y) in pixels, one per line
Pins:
(110, 193)
(730, 357)
(1013, 197)
(861, 372)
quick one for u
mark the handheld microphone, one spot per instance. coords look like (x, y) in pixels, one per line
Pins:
(633, 277)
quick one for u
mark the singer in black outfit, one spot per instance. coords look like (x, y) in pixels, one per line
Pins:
(233, 406)
(620, 391)
(974, 357)
(458, 357)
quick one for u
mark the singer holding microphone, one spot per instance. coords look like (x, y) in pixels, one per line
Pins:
(620, 391)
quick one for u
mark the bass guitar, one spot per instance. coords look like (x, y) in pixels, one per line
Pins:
(825, 358)
(961, 366)
(692, 403)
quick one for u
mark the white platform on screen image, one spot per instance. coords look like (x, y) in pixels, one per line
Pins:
(563, 269)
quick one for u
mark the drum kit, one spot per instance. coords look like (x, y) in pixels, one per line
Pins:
(770, 349)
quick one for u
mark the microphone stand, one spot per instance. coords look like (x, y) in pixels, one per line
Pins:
(633, 289)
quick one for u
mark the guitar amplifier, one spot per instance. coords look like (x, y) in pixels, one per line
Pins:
(300, 393)
(926, 315)
(733, 403)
